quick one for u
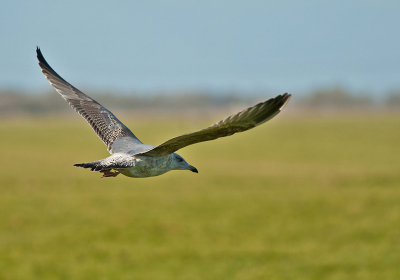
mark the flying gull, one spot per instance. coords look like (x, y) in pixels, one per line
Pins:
(132, 158)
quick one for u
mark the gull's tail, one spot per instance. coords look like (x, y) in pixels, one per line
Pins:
(94, 165)
(115, 161)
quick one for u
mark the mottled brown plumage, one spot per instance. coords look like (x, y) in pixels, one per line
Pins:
(130, 156)
(103, 122)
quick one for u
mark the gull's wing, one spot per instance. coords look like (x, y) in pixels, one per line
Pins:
(242, 121)
(103, 122)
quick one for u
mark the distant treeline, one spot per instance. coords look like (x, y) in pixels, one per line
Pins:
(338, 97)
(15, 103)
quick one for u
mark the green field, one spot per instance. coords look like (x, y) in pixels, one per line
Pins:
(297, 198)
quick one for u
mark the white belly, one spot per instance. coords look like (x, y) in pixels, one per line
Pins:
(148, 167)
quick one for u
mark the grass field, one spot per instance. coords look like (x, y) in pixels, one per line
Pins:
(297, 198)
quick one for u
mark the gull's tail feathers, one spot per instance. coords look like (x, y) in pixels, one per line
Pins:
(116, 162)
(107, 170)
(94, 165)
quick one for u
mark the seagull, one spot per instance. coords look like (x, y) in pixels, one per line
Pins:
(132, 158)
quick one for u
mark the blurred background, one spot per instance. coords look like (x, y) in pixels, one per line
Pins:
(312, 194)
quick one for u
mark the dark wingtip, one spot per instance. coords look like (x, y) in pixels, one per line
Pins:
(40, 55)
(287, 95)
(285, 98)
(43, 63)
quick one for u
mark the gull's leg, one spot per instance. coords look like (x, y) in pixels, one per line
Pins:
(109, 173)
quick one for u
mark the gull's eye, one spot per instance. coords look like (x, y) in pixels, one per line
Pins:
(180, 159)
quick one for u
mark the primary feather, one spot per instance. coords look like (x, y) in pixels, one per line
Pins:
(130, 156)
(103, 122)
(242, 121)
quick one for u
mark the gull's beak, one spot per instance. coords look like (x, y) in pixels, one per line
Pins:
(193, 169)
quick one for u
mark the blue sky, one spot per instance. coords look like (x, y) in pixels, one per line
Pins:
(218, 46)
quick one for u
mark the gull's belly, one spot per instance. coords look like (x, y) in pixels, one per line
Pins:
(143, 172)
(148, 167)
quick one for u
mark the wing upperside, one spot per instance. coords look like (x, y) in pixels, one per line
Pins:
(242, 121)
(103, 122)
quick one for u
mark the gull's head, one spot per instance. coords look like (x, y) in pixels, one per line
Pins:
(179, 163)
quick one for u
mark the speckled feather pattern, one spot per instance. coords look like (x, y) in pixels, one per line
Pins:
(132, 166)
(130, 156)
(103, 122)
(115, 161)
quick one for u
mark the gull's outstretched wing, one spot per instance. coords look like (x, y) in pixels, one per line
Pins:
(242, 121)
(103, 122)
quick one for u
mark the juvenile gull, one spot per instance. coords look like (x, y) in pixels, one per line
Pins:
(132, 158)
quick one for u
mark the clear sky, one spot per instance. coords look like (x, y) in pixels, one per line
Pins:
(274, 46)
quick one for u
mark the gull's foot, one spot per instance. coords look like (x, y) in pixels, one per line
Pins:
(109, 173)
